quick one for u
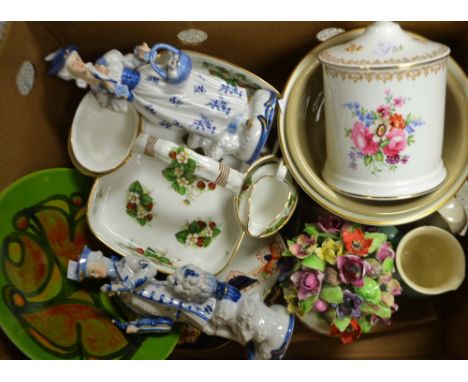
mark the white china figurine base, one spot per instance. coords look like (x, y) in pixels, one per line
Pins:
(189, 295)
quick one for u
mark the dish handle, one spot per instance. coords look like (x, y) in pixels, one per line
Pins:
(205, 167)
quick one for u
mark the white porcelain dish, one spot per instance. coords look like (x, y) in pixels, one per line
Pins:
(153, 217)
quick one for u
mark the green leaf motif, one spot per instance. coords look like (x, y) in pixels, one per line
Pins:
(410, 140)
(381, 310)
(306, 305)
(136, 187)
(190, 166)
(388, 265)
(331, 294)
(287, 253)
(178, 188)
(142, 222)
(311, 230)
(216, 232)
(168, 174)
(367, 160)
(370, 291)
(378, 238)
(365, 325)
(181, 236)
(194, 227)
(379, 156)
(314, 262)
(341, 324)
(384, 142)
(207, 241)
(145, 199)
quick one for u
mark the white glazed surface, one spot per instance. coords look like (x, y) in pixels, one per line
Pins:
(424, 169)
(252, 202)
(430, 260)
(268, 199)
(109, 221)
(101, 139)
(383, 44)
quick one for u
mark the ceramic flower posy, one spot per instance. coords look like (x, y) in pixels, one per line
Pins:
(379, 137)
(344, 274)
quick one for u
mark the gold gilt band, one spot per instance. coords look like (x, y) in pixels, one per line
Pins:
(149, 147)
(223, 175)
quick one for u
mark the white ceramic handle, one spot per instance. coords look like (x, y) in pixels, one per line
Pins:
(282, 171)
(206, 168)
(455, 216)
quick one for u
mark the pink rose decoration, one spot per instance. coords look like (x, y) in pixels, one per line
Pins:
(299, 248)
(385, 251)
(363, 139)
(308, 283)
(397, 143)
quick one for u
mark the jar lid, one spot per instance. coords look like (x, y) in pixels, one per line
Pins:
(384, 45)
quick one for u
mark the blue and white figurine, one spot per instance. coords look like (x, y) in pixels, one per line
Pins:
(188, 295)
(169, 92)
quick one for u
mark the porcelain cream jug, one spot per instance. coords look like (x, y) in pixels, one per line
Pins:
(384, 109)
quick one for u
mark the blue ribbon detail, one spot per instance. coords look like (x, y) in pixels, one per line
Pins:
(226, 291)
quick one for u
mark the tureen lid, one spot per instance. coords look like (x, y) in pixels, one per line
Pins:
(384, 45)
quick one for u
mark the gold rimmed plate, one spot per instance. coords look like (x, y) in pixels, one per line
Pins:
(301, 128)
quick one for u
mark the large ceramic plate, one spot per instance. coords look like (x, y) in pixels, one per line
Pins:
(42, 226)
(302, 139)
(141, 207)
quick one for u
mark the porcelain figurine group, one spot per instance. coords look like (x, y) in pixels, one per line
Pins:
(167, 90)
(188, 295)
(222, 118)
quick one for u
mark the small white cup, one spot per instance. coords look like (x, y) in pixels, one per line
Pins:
(430, 261)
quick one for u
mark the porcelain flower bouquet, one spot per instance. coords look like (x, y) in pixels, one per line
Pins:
(342, 272)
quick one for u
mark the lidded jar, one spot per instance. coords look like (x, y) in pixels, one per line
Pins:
(384, 111)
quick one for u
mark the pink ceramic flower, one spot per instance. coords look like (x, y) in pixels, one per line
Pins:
(363, 139)
(320, 306)
(397, 143)
(352, 269)
(385, 251)
(308, 283)
(299, 248)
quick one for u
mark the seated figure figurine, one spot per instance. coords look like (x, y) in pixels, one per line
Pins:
(188, 295)
(219, 117)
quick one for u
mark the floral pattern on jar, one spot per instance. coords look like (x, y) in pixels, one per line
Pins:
(198, 233)
(139, 203)
(380, 137)
(181, 175)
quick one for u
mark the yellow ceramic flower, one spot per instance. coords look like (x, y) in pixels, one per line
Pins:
(329, 250)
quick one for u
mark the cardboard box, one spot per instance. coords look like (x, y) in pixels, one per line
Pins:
(34, 131)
